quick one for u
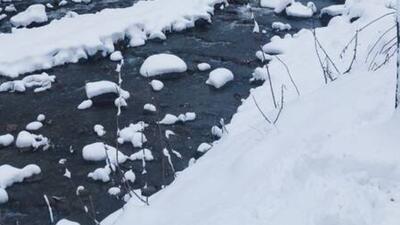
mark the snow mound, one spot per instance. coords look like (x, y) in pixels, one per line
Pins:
(10, 175)
(170, 119)
(149, 107)
(99, 152)
(41, 82)
(219, 77)
(116, 56)
(33, 14)
(66, 222)
(85, 104)
(156, 85)
(162, 64)
(203, 66)
(28, 140)
(99, 130)
(35, 125)
(281, 26)
(133, 134)
(143, 154)
(6, 140)
(97, 88)
(297, 9)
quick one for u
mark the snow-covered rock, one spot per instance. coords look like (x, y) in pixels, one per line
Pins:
(114, 191)
(33, 14)
(156, 85)
(281, 26)
(203, 66)
(35, 125)
(3, 16)
(41, 82)
(97, 88)
(66, 222)
(10, 175)
(169, 119)
(149, 107)
(28, 140)
(160, 64)
(333, 10)
(297, 9)
(219, 77)
(85, 104)
(101, 174)
(130, 176)
(143, 154)
(41, 117)
(133, 134)
(116, 56)
(99, 152)
(10, 8)
(204, 147)
(6, 140)
(99, 130)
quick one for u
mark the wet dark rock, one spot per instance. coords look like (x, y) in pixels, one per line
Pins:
(104, 99)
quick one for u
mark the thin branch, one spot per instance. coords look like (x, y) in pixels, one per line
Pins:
(290, 75)
(281, 104)
(259, 109)
(354, 54)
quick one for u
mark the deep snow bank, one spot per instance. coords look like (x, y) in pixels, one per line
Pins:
(69, 39)
(330, 159)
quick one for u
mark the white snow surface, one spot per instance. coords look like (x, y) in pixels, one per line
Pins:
(35, 13)
(331, 158)
(35, 125)
(160, 64)
(203, 66)
(28, 140)
(156, 85)
(97, 88)
(297, 9)
(69, 39)
(99, 151)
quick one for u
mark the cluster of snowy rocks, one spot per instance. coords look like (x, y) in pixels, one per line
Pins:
(291, 7)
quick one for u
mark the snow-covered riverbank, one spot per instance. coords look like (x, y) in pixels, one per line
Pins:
(331, 158)
(70, 39)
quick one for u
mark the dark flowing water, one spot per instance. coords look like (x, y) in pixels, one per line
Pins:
(228, 42)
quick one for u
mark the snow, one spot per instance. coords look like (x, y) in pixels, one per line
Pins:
(116, 56)
(99, 130)
(143, 154)
(333, 10)
(156, 85)
(28, 140)
(204, 147)
(149, 107)
(66, 222)
(35, 125)
(97, 88)
(169, 119)
(3, 16)
(281, 26)
(331, 158)
(219, 77)
(130, 176)
(35, 13)
(10, 175)
(297, 9)
(216, 131)
(72, 39)
(133, 134)
(101, 174)
(41, 117)
(41, 82)
(160, 64)
(99, 151)
(10, 8)
(114, 191)
(3, 196)
(6, 140)
(273, 3)
(256, 28)
(203, 66)
(85, 104)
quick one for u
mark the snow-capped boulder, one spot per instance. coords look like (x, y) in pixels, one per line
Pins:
(156, 85)
(33, 14)
(116, 56)
(6, 140)
(297, 9)
(162, 64)
(203, 66)
(219, 77)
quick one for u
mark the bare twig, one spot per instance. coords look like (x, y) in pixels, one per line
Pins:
(259, 109)
(354, 54)
(281, 104)
(290, 75)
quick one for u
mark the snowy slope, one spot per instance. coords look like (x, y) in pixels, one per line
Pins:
(70, 39)
(332, 157)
